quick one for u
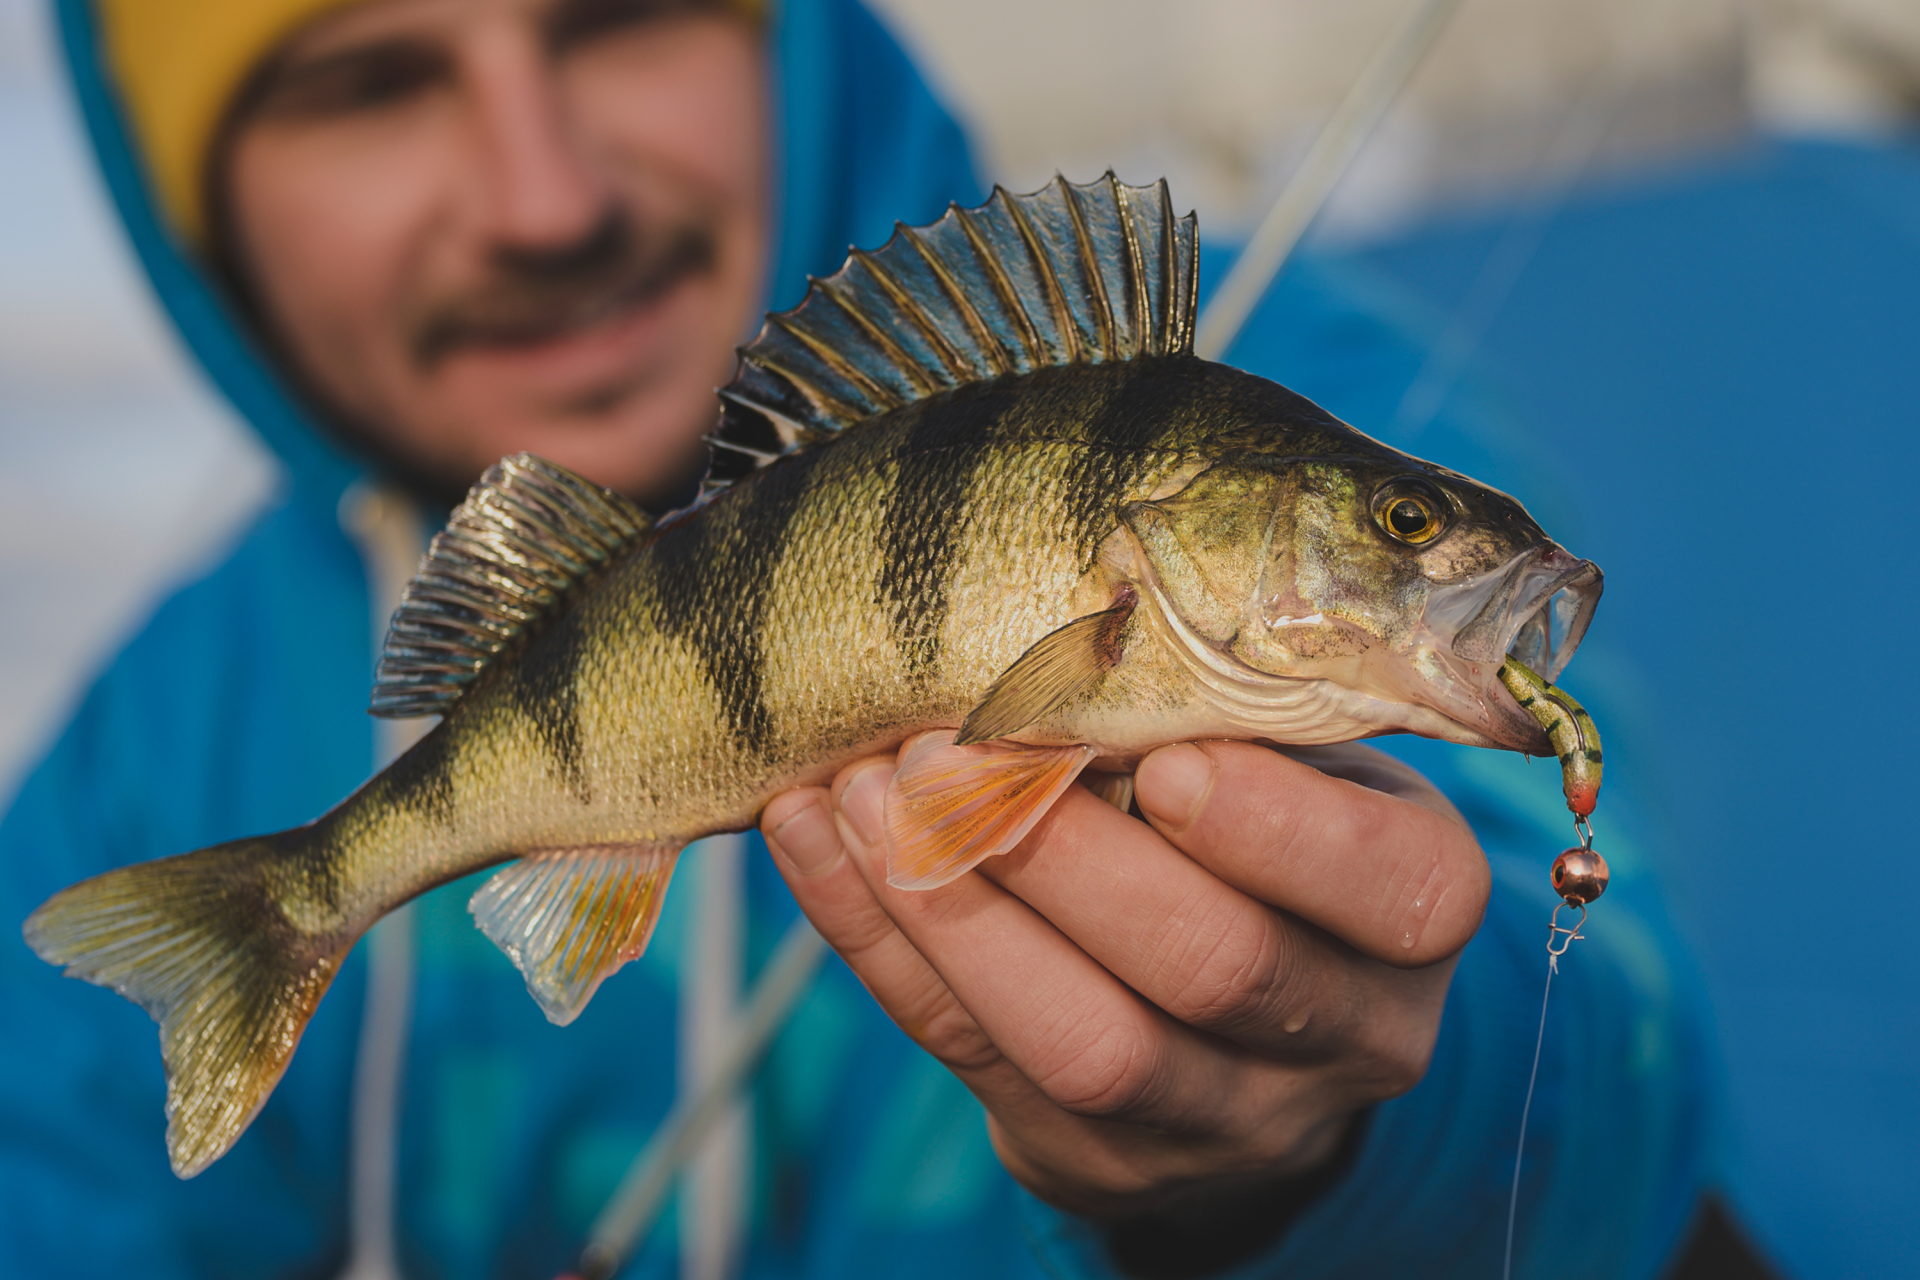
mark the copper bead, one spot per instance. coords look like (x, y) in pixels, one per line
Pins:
(1579, 876)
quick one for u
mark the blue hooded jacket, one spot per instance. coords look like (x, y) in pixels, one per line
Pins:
(239, 708)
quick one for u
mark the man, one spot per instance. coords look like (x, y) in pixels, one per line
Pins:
(458, 228)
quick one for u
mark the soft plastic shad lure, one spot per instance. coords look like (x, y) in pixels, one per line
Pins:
(1568, 727)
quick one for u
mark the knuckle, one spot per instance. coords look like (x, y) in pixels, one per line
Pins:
(958, 1043)
(1239, 974)
(1399, 1073)
(861, 935)
(946, 1031)
(1110, 1073)
(1387, 1065)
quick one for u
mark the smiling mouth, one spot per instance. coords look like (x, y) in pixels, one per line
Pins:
(531, 312)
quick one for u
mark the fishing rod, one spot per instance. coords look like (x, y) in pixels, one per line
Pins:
(628, 1216)
(1333, 152)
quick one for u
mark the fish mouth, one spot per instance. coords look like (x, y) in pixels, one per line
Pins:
(1535, 609)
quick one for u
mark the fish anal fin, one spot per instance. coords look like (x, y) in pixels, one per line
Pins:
(568, 918)
(949, 807)
(1060, 666)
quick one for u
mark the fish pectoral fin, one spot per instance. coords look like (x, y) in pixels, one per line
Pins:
(950, 806)
(568, 918)
(1060, 666)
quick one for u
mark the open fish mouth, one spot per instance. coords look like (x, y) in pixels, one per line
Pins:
(1535, 608)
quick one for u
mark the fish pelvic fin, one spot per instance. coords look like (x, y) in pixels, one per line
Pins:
(199, 943)
(568, 918)
(1065, 275)
(1060, 666)
(1115, 788)
(949, 807)
(526, 536)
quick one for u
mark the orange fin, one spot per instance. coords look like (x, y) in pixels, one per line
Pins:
(569, 917)
(950, 807)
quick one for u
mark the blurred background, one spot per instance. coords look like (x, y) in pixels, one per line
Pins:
(1678, 241)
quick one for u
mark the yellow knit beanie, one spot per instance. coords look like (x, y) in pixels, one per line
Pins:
(177, 64)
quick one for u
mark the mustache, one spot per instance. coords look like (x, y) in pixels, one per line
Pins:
(534, 296)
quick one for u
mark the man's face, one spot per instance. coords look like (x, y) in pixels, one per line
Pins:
(482, 226)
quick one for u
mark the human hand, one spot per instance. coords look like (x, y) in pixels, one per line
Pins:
(1143, 1009)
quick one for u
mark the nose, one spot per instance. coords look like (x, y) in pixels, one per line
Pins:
(538, 188)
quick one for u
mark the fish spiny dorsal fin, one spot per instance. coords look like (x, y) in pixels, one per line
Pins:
(525, 536)
(1066, 275)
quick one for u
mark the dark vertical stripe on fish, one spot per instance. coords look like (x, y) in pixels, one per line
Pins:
(714, 573)
(1149, 409)
(926, 516)
(546, 689)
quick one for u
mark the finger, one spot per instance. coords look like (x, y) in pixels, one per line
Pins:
(1197, 947)
(1377, 771)
(1040, 1142)
(808, 852)
(1391, 878)
(1090, 1044)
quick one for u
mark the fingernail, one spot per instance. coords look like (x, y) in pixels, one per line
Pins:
(808, 840)
(1172, 783)
(864, 802)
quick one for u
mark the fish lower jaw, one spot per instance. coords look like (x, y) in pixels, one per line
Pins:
(1473, 708)
(1333, 713)
(1231, 699)
(1317, 711)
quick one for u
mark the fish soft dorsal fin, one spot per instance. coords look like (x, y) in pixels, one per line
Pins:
(525, 536)
(1066, 275)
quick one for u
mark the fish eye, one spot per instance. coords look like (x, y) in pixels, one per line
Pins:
(1409, 512)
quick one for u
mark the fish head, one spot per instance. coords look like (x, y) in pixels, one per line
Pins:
(1397, 585)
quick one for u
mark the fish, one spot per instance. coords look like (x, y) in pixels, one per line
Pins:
(975, 491)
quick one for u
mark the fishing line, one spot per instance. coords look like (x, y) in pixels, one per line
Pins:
(1579, 876)
(1520, 1148)
(1569, 156)
(1332, 153)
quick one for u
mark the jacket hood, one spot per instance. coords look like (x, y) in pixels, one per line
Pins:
(860, 141)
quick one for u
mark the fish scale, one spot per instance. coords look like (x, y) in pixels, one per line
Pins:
(974, 495)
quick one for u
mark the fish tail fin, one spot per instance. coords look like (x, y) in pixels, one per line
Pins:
(200, 943)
